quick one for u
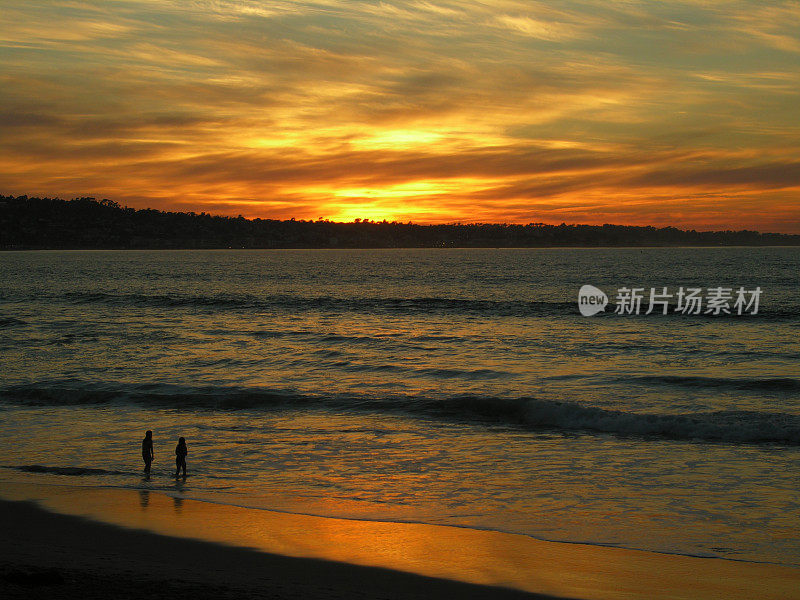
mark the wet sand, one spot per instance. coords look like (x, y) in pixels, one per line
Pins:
(46, 555)
(101, 543)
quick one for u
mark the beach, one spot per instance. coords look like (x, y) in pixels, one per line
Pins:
(54, 556)
(456, 419)
(127, 545)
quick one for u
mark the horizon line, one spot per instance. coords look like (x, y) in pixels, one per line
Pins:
(359, 221)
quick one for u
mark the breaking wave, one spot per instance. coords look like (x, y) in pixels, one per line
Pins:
(726, 426)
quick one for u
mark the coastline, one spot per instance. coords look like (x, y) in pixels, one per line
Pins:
(49, 555)
(146, 538)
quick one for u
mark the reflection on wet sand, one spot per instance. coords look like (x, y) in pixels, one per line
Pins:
(475, 556)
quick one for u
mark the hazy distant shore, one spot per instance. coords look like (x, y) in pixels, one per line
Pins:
(85, 223)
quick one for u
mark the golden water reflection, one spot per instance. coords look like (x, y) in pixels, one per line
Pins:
(475, 556)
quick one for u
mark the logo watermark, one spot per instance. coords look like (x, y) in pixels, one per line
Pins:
(712, 301)
(591, 300)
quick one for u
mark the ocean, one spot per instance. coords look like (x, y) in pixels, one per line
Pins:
(445, 386)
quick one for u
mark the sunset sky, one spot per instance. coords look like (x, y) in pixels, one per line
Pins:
(637, 112)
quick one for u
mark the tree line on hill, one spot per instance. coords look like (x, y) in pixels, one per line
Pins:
(86, 223)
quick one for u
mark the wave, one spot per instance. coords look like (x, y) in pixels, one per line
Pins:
(71, 471)
(380, 305)
(76, 393)
(6, 322)
(757, 384)
(726, 426)
(713, 426)
(328, 303)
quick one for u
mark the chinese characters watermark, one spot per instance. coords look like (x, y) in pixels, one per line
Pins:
(712, 301)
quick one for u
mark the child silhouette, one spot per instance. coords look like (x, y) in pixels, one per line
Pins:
(180, 457)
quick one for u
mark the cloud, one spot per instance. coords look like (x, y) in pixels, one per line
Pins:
(448, 110)
(536, 28)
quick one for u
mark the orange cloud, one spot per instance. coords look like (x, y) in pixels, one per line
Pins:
(513, 111)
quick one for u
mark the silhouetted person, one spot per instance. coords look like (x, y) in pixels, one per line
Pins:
(180, 457)
(147, 450)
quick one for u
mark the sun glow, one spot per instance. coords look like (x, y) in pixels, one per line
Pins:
(363, 213)
(508, 111)
(395, 138)
(402, 190)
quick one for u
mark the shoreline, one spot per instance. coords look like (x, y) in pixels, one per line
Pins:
(50, 555)
(292, 511)
(86, 530)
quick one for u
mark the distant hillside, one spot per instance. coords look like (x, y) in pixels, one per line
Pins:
(36, 223)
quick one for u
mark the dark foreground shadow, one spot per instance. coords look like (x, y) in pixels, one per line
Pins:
(94, 560)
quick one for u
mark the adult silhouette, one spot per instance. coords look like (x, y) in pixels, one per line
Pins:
(147, 450)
